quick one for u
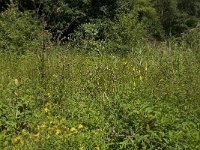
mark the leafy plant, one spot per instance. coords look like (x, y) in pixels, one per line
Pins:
(19, 31)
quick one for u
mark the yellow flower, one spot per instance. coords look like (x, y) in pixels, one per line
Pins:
(141, 78)
(36, 114)
(49, 94)
(46, 109)
(24, 131)
(41, 126)
(133, 69)
(37, 135)
(97, 131)
(81, 147)
(162, 80)
(146, 67)
(98, 148)
(74, 130)
(18, 140)
(58, 131)
(80, 126)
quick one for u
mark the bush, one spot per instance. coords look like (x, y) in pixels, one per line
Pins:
(87, 38)
(192, 39)
(126, 33)
(19, 32)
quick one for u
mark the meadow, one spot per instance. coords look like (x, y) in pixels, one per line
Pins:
(60, 100)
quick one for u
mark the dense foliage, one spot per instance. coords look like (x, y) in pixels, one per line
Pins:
(96, 74)
(161, 18)
(19, 32)
(147, 101)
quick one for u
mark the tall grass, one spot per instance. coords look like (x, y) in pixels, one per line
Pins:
(148, 100)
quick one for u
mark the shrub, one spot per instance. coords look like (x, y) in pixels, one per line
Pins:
(19, 31)
(87, 38)
(192, 39)
(126, 33)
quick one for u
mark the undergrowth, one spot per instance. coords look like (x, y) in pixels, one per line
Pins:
(148, 100)
(119, 93)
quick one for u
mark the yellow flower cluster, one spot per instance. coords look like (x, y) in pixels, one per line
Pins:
(56, 127)
(137, 73)
(18, 140)
(46, 109)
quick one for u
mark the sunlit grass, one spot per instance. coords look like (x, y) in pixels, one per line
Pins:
(149, 100)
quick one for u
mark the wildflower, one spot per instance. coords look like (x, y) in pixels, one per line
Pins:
(16, 93)
(41, 126)
(126, 132)
(18, 140)
(74, 130)
(58, 131)
(146, 67)
(81, 147)
(136, 112)
(147, 127)
(98, 147)
(141, 78)
(50, 130)
(46, 109)
(134, 84)
(133, 69)
(49, 95)
(80, 126)
(37, 135)
(17, 82)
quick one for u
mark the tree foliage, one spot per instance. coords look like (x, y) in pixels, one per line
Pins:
(161, 18)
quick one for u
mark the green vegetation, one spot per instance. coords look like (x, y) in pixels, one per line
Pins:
(19, 32)
(101, 80)
(138, 102)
